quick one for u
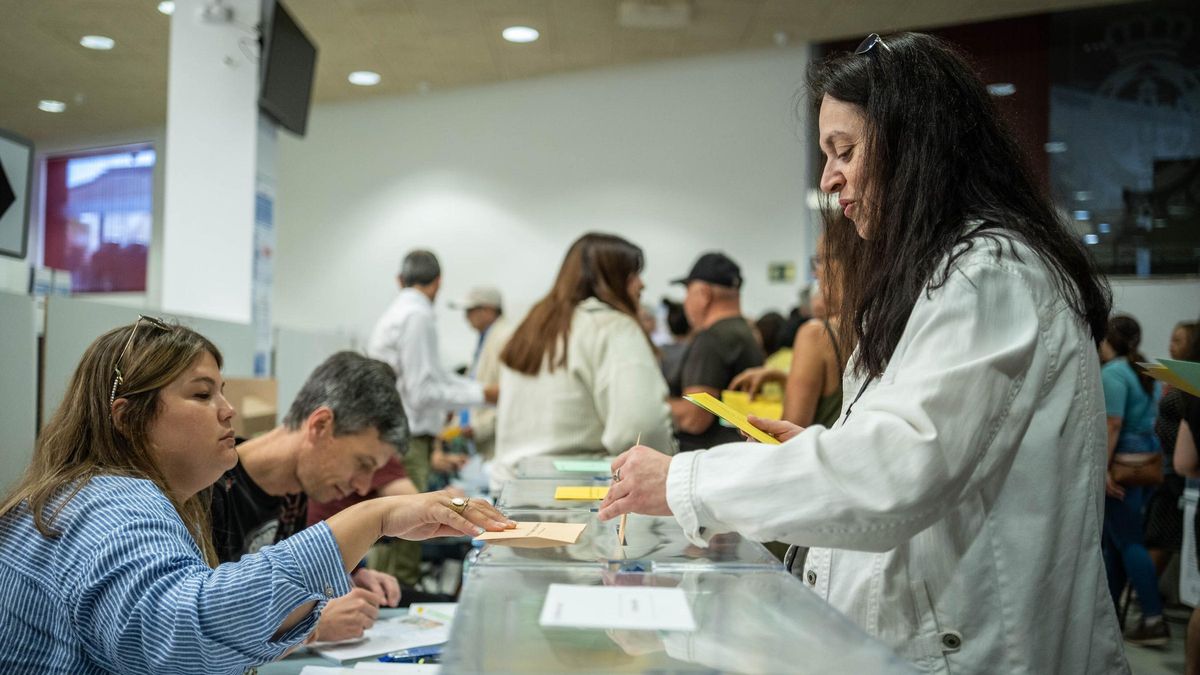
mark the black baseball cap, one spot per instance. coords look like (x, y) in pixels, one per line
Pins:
(714, 268)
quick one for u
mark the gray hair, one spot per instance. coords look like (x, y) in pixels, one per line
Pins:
(420, 267)
(362, 394)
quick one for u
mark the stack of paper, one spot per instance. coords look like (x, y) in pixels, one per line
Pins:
(536, 535)
(759, 407)
(600, 467)
(617, 607)
(1184, 375)
(387, 635)
(581, 492)
(376, 667)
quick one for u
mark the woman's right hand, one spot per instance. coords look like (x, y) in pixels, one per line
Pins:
(1112, 488)
(431, 514)
(751, 380)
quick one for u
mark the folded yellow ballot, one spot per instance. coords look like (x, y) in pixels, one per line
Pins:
(732, 416)
(581, 492)
(759, 407)
(536, 535)
(1183, 375)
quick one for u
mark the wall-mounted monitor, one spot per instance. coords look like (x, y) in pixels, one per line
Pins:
(289, 63)
(16, 175)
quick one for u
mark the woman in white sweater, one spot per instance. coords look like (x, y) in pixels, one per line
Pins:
(579, 374)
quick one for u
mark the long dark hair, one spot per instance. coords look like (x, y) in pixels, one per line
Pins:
(937, 156)
(1125, 337)
(597, 266)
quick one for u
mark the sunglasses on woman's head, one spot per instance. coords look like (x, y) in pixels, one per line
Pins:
(869, 43)
(118, 377)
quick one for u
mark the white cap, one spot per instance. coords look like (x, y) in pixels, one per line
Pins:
(480, 296)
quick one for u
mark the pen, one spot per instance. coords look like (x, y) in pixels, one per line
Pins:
(625, 516)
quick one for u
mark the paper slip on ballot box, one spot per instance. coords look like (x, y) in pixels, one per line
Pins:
(651, 544)
(742, 621)
(552, 494)
(565, 466)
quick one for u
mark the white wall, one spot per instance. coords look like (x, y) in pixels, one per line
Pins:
(1157, 305)
(212, 131)
(679, 157)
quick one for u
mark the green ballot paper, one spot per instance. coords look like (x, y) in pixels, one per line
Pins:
(598, 466)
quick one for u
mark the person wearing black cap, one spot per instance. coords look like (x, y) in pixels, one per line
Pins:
(722, 347)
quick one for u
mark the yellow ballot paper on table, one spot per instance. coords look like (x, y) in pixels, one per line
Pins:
(1183, 375)
(760, 407)
(732, 416)
(536, 535)
(584, 493)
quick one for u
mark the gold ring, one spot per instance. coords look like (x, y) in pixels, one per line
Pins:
(458, 505)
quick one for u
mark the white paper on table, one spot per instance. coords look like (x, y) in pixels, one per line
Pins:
(628, 607)
(406, 668)
(438, 611)
(387, 635)
(322, 670)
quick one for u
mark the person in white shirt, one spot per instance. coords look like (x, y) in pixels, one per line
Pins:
(405, 338)
(579, 374)
(955, 508)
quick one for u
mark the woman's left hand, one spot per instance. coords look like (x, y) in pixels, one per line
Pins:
(639, 484)
(1113, 488)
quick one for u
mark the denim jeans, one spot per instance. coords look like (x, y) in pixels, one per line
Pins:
(1125, 555)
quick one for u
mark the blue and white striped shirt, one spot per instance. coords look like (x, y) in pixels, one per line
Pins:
(125, 589)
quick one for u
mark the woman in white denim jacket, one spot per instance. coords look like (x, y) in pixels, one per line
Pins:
(955, 508)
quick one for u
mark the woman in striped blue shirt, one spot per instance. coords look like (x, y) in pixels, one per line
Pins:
(106, 561)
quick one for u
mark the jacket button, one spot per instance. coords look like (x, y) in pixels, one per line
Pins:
(811, 577)
(951, 640)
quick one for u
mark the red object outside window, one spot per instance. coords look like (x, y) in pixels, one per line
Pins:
(98, 217)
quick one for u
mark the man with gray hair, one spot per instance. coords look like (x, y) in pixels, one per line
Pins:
(405, 338)
(346, 422)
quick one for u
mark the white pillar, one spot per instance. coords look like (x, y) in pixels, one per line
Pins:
(211, 161)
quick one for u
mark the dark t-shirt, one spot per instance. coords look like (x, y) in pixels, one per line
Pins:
(245, 518)
(715, 356)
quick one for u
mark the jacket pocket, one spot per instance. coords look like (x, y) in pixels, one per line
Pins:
(933, 641)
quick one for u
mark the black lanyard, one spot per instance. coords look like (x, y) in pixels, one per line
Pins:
(850, 407)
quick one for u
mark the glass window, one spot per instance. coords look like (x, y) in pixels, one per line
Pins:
(98, 217)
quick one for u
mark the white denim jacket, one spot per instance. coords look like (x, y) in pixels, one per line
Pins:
(956, 513)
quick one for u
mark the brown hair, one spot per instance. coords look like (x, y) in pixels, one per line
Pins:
(597, 266)
(82, 440)
(1125, 337)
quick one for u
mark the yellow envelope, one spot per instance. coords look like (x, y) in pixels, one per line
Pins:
(1183, 375)
(536, 535)
(732, 416)
(581, 492)
(759, 407)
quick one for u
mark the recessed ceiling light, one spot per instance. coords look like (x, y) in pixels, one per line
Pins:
(520, 34)
(100, 42)
(51, 106)
(364, 78)
(167, 7)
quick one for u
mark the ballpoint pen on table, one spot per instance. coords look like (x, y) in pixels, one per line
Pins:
(625, 516)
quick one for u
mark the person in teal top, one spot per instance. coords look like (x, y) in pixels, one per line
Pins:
(1131, 404)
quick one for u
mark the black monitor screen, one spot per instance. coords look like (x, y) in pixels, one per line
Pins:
(289, 62)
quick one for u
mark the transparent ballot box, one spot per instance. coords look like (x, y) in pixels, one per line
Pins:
(547, 466)
(537, 494)
(651, 544)
(744, 622)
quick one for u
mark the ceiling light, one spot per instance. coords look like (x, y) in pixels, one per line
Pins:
(101, 42)
(51, 106)
(364, 78)
(167, 7)
(520, 34)
(1091, 239)
(1002, 89)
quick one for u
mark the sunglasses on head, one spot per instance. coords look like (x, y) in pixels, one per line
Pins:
(118, 377)
(869, 43)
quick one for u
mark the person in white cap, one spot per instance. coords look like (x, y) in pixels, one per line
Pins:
(485, 312)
